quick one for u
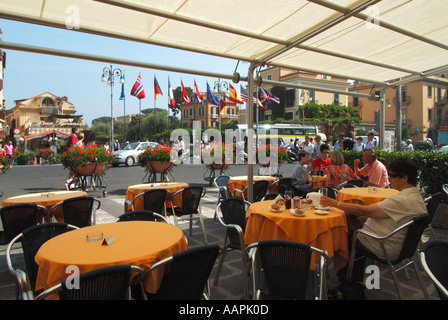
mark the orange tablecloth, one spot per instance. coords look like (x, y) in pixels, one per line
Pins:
(172, 187)
(364, 196)
(44, 200)
(318, 181)
(325, 232)
(139, 243)
(240, 182)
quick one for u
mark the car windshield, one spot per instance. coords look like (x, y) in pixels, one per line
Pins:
(131, 146)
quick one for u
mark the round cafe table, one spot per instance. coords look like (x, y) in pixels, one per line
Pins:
(240, 182)
(45, 199)
(139, 243)
(365, 196)
(172, 187)
(326, 232)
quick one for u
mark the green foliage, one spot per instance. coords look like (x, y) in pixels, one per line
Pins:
(336, 113)
(432, 166)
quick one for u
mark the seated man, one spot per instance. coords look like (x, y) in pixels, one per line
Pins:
(324, 160)
(387, 215)
(374, 169)
(302, 182)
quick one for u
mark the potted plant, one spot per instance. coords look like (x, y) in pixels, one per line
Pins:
(156, 159)
(46, 153)
(4, 163)
(86, 160)
(265, 151)
(225, 157)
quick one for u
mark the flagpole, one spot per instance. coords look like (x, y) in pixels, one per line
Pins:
(140, 120)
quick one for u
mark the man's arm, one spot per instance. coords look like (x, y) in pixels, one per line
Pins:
(370, 211)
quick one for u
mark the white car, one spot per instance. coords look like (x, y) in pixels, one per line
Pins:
(129, 155)
(443, 149)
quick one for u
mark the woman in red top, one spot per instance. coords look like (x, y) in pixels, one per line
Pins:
(338, 172)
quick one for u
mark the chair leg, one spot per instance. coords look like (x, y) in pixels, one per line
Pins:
(221, 262)
(417, 266)
(201, 219)
(396, 281)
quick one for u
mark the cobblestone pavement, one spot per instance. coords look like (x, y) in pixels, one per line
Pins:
(230, 285)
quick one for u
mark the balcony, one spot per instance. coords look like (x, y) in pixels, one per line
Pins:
(49, 110)
(406, 100)
(441, 101)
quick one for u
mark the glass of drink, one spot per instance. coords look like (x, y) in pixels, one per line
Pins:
(288, 199)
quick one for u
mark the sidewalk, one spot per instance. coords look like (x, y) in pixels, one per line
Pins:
(230, 286)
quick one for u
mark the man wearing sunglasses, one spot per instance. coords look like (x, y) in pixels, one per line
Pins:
(387, 215)
(374, 169)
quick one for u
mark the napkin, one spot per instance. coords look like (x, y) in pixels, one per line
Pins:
(278, 202)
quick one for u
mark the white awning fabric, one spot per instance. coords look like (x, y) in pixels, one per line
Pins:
(368, 40)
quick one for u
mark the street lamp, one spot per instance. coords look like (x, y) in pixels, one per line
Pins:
(108, 77)
(221, 86)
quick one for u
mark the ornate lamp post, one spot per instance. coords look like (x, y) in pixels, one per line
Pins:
(108, 77)
(221, 86)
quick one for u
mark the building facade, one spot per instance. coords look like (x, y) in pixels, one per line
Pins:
(424, 106)
(208, 114)
(40, 119)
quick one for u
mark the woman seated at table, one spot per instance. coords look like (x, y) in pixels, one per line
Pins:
(302, 181)
(338, 172)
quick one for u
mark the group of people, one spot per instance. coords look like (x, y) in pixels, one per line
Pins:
(379, 219)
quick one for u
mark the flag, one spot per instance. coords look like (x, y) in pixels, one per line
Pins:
(184, 94)
(170, 93)
(222, 104)
(268, 96)
(157, 89)
(198, 94)
(211, 97)
(245, 97)
(137, 89)
(234, 96)
(122, 89)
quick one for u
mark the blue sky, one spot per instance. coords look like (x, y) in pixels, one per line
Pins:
(30, 74)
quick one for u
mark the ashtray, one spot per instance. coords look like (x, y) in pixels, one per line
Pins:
(94, 236)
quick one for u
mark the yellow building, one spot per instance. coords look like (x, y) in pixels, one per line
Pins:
(41, 117)
(207, 114)
(424, 105)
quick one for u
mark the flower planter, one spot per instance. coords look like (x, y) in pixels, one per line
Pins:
(219, 166)
(159, 166)
(90, 169)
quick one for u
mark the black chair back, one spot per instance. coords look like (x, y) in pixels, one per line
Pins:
(33, 238)
(436, 259)
(356, 182)
(16, 218)
(331, 193)
(188, 274)
(191, 198)
(154, 200)
(108, 283)
(234, 213)
(413, 236)
(284, 184)
(222, 181)
(432, 205)
(272, 196)
(260, 189)
(78, 211)
(138, 215)
(286, 267)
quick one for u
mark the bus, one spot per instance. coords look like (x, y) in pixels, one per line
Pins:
(285, 131)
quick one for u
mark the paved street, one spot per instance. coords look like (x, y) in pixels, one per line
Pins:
(38, 178)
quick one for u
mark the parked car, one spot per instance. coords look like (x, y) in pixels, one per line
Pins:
(425, 145)
(128, 156)
(443, 149)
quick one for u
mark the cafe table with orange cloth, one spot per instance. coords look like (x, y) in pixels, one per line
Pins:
(139, 243)
(172, 187)
(323, 231)
(45, 199)
(318, 181)
(240, 182)
(365, 196)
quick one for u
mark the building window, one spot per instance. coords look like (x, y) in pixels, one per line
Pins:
(201, 111)
(269, 77)
(312, 97)
(430, 114)
(336, 99)
(186, 113)
(290, 96)
(355, 101)
(289, 115)
(429, 91)
(47, 102)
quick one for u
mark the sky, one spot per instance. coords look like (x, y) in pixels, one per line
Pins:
(30, 74)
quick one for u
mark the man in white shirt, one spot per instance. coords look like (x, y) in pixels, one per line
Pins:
(309, 147)
(370, 144)
(409, 146)
(317, 145)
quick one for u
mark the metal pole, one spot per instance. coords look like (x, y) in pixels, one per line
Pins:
(382, 116)
(398, 137)
(250, 137)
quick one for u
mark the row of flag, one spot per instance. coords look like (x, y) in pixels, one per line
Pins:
(138, 91)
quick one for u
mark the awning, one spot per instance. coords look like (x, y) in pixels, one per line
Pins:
(58, 133)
